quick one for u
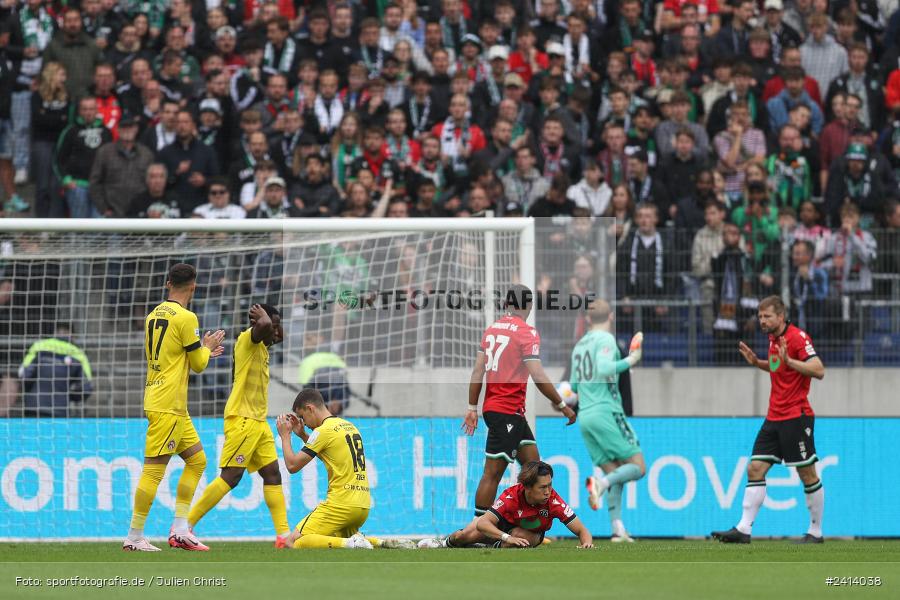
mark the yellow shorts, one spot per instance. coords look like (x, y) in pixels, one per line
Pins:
(248, 443)
(333, 520)
(169, 434)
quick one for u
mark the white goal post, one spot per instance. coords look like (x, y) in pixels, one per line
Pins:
(90, 282)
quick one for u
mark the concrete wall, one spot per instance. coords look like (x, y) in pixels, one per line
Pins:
(657, 392)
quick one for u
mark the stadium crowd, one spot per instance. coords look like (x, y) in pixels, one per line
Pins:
(721, 136)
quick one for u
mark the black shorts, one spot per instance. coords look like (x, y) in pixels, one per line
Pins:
(791, 441)
(507, 527)
(506, 434)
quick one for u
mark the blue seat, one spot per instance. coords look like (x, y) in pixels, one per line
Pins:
(881, 350)
(705, 350)
(660, 348)
(837, 354)
(880, 318)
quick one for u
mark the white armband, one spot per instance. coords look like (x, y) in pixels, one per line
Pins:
(473, 408)
(504, 537)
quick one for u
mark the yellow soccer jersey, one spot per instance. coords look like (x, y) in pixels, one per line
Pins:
(338, 444)
(250, 390)
(171, 333)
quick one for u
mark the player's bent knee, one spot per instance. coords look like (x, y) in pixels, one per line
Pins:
(232, 476)
(808, 474)
(271, 474)
(757, 469)
(534, 539)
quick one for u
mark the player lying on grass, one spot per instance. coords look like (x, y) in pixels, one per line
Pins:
(173, 347)
(509, 353)
(608, 437)
(335, 522)
(787, 433)
(520, 517)
(249, 443)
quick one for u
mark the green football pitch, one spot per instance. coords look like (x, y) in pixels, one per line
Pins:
(559, 571)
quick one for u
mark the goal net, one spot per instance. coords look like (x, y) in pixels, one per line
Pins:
(386, 316)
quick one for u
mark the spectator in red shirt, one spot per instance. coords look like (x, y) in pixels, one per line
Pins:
(253, 7)
(642, 62)
(707, 14)
(790, 59)
(835, 136)
(527, 60)
(108, 107)
(460, 138)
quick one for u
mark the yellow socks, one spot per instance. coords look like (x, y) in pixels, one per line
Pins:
(274, 496)
(213, 493)
(151, 476)
(187, 485)
(314, 540)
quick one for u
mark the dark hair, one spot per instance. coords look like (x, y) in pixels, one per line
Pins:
(181, 274)
(518, 297)
(374, 130)
(219, 180)
(280, 21)
(757, 187)
(560, 182)
(684, 131)
(807, 245)
(420, 76)
(549, 83)
(210, 75)
(270, 310)
(308, 396)
(529, 474)
(742, 69)
(793, 73)
(170, 56)
(773, 302)
(714, 203)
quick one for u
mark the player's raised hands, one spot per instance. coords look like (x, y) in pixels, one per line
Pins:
(258, 313)
(213, 341)
(298, 424)
(284, 424)
(748, 353)
(470, 422)
(783, 350)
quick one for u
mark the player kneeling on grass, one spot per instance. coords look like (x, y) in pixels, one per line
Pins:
(610, 440)
(520, 516)
(249, 443)
(334, 523)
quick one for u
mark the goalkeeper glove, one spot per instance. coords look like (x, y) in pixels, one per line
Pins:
(635, 352)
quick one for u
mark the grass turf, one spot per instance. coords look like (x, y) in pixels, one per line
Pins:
(647, 569)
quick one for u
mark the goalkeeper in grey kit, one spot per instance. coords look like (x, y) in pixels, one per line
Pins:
(610, 440)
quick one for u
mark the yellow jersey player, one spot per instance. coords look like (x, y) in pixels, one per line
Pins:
(335, 522)
(173, 347)
(249, 443)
